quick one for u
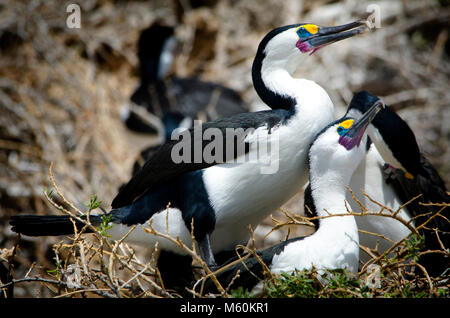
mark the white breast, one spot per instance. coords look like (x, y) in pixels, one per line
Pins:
(241, 194)
(323, 251)
(369, 177)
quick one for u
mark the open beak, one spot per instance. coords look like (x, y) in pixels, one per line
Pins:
(356, 132)
(327, 35)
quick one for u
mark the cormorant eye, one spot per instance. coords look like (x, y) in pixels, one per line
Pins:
(341, 130)
(301, 32)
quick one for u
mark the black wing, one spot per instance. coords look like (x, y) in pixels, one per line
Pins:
(161, 168)
(143, 157)
(430, 183)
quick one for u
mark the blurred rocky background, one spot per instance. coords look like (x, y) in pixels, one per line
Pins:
(61, 89)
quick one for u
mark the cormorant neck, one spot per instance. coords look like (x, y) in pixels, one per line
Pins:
(328, 191)
(149, 71)
(273, 81)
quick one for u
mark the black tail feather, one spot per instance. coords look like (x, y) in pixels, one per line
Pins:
(51, 225)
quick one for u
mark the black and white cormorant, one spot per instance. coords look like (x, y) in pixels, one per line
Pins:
(393, 172)
(158, 93)
(333, 157)
(223, 199)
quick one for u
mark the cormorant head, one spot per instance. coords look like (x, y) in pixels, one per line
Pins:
(283, 49)
(156, 50)
(394, 139)
(311, 37)
(340, 146)
(284, 43)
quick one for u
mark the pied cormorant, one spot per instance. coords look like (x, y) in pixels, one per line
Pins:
(222, 198)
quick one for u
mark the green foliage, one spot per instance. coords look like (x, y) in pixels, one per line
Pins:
(240, 292)
(409, 290)
(105, 225)
(48, 193)
(93, 203)
(343, 284)
(57, 271)
(414, 245)
(299, 284)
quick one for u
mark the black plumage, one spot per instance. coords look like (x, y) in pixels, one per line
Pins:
(399, 136)
(53, 225)
(171, 121)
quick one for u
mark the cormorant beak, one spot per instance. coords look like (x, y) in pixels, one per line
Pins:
(356, 132)
(328, 35)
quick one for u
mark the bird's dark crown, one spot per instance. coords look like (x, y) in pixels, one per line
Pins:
(152, 40)
(150, 47)
(396, 133)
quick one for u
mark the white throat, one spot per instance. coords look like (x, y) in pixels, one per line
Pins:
(336, 242)
(329, 195)
(277, 75)
(383, 148)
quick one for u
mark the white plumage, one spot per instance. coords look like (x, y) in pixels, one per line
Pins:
(368, 178)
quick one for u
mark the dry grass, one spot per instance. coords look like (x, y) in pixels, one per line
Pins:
(61, 91)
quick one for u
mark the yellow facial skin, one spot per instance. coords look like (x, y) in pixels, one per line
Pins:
(344, 126)
(347, 123)
(311, 28)
(409, 176)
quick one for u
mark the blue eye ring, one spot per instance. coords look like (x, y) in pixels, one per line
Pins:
(302, 32)
(341, 130)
